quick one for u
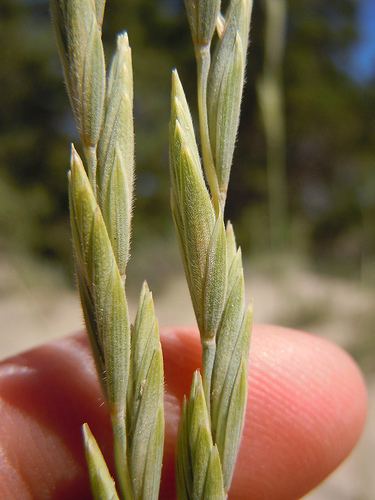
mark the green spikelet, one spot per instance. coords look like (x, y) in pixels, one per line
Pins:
(198, 466)
(102, 484)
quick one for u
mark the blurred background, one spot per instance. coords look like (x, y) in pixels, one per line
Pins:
(302, 191)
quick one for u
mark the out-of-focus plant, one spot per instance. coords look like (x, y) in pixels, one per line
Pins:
(329, 132)
(271, 100)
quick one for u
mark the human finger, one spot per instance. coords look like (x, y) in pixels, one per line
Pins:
(305, 411)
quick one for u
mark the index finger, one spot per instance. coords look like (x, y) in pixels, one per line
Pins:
(305, 411)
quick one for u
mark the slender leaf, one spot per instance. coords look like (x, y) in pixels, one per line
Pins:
(145, 401)
(102, 484)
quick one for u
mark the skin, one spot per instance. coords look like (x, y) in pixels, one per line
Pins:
(306, 410)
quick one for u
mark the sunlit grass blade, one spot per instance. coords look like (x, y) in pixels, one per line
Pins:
(93, 87)
(214, 487)
(94, 254)
(192, 207)
(145, 417)
(227, 338)
(180, 113)
(115, 169)
(202, 16)
(228, 402)
(102, 484)
(231, 244)
(215, 280)
(224, 117)
(100, 6)
(198, 464)
(78, 31)
(81, 52)
(225, 86)
(101, 288)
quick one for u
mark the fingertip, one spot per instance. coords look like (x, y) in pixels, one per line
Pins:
(182, 356)
(46, 394)
(306, 410)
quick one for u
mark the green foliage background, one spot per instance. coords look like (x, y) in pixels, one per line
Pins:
(330, 131)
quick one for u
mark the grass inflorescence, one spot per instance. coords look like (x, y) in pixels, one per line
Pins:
(212, 421)
(128, 356)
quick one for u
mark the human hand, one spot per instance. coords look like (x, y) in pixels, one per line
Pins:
(306, 410)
